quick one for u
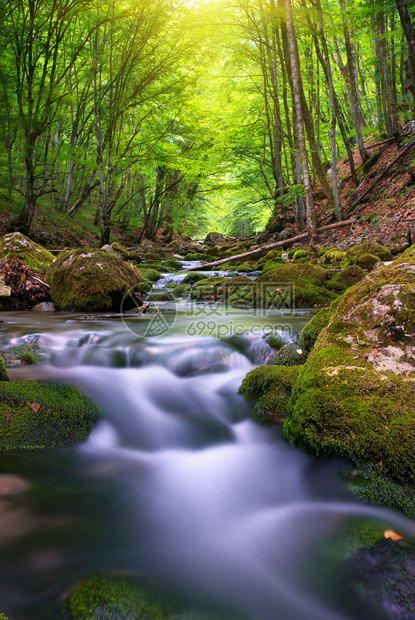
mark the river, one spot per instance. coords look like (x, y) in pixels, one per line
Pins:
(176, 483)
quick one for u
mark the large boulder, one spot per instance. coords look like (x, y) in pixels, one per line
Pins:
(356, 393)
(213, 238)
(30, 253)
(307, 283)
(88, 280)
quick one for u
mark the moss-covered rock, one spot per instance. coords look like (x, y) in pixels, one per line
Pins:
(121, 597)
(160, 297)
(30, 253)
(172, 263)
(152, 275)
(334, 256)
(193, 277)
(311, 331)
(290, 355)
(113, 598)
(42, 415)
(29, 353)
(367, 261)
(356, 393)
(299, 254)
(125, 254)
(271, 255)
(213, 238)
(350, 275)
(272, 387)
(181, 289)
(88, 280)
(369, 247)
(195, 256)
(307, 282)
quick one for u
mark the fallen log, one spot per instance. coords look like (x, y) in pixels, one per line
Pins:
(379, 177)
(270, 246)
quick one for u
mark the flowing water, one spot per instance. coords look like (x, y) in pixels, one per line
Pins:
(177, 484)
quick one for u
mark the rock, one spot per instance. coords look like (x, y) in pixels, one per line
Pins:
(356, 393)
(29, 252)
(400, 243)
(304, 282)
(45, 306)
(5, 291)
(122, 597)
(42, 415)
(42, 237)
(350, 275)
(213, 238)
(88, 280)
(290, 354)
(371, 247)
(287, 233)
(271, 387)
(311, 331)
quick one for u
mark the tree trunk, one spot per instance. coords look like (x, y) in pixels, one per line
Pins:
(311, 218)
(271, 246)
(409, 32)
(24, 221)
(332, 134)
(354, 96)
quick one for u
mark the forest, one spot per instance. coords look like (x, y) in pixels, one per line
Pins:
(183, 117)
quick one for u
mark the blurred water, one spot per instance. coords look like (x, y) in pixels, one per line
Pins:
(176, 484)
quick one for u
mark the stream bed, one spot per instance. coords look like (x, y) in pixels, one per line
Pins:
(177, 484)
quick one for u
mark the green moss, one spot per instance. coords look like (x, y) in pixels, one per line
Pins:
(271, 256)
(87, 280)
(146, 286)
(290, 355)
(350, 275)
(195, 256)
(369, 163)
(161, 297)
(272, 387)
(313, 274)
(181, 288)
(193, 277)
(30, 253)
(3, 371)
(336, 286)
(125, 254)
(334, 256)
(299, 254)
(114, 598)
(171, 263)
(367, 261)
(369, 247)
(152, 275)
(30, 353)
(341, 406)
(271, 265)
(374, 487)
(42, 415)
(313, 328)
